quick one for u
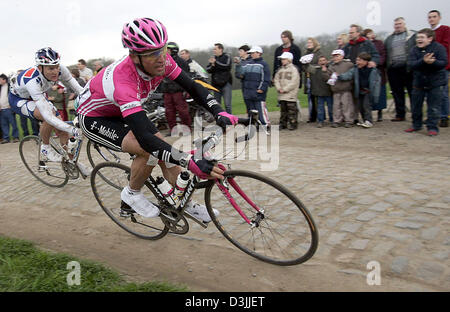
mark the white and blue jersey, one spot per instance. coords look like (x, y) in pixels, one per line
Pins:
(30, 86)
(28, 92)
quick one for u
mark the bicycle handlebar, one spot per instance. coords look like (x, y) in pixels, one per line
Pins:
(211, 141)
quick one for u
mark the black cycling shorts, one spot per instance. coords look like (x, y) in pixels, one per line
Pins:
(107, 131)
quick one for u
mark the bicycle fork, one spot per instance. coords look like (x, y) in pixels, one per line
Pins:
(223, 186)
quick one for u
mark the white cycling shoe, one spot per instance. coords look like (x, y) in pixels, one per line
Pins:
(48, 154)
(85, 170)
(200, 211)
(139, 203)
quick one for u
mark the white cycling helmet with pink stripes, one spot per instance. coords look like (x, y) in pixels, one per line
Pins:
(144, 34)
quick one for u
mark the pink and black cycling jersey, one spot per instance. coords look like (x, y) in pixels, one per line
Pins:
(120, 89)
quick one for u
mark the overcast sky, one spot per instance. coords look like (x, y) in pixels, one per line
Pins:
(91, 28)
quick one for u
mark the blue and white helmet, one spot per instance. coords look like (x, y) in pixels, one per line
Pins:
(47, 56)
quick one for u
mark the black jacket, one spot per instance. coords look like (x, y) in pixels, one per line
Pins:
(295, 50)
(353, 49)
(428, 75)
(169, 86)
(221, 71)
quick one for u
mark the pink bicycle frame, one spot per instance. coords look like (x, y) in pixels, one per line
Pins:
(240, 192)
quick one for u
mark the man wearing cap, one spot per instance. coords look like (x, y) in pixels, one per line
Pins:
(256, 79)
(286, 81)
(343, 107)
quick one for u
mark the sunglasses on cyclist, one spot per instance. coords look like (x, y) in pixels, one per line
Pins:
(155, 53)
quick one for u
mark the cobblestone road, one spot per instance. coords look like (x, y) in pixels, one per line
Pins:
(376, 195)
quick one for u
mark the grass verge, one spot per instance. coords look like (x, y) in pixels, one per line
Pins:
(24, 268)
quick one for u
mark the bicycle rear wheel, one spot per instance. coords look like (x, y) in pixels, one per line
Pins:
(283, 232)
(98, 154)
(50, 173)
(107, 193)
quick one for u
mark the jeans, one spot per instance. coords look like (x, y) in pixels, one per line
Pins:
(445, 109)
(399, 79)
(434, 100)
(226, 92)
(6, 119)
(321, 116)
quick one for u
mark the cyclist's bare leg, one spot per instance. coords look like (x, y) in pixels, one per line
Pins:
(140, 171)
(46, 130)
(171, 174)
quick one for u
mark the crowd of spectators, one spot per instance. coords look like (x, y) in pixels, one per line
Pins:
(349, 84)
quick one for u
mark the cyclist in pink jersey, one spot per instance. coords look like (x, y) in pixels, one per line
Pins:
(110, 113)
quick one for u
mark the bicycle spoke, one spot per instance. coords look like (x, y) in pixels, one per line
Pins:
(107, 192)
(49, 173)
(281, 233)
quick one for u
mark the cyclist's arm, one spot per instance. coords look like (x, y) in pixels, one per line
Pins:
(199, 93)
(144, 131)
(45, 107)
(46, 110)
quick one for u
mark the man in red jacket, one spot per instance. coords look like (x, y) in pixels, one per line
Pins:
(443, 37)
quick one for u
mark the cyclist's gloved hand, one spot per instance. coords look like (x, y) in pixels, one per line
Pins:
(201, 168)
(224, 120)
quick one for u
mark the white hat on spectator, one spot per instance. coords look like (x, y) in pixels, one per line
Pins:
(338, 52)
(256, 49)
(286, 55)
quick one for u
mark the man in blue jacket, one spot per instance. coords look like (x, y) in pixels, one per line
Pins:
(255, 82)
(428, 60)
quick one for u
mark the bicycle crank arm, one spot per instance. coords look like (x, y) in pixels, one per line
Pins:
(203, 225)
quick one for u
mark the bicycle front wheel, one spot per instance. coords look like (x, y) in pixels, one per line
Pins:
(107, 193)
(50, 173)
(263, 218)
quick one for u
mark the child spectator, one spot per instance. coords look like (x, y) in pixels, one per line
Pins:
(57, 96)
(367, 84)
(322, 90)
(256, 79)
(286, 81)
(428, 60)
(342, 90)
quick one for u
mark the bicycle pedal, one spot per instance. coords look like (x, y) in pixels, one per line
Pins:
(42, 166)
(125, 210)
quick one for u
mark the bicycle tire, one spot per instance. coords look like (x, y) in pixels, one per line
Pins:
(50, 173)
(305, 236)
(108, 197)
(105, 155)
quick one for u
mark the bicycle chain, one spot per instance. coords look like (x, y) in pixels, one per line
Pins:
(174, 220)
